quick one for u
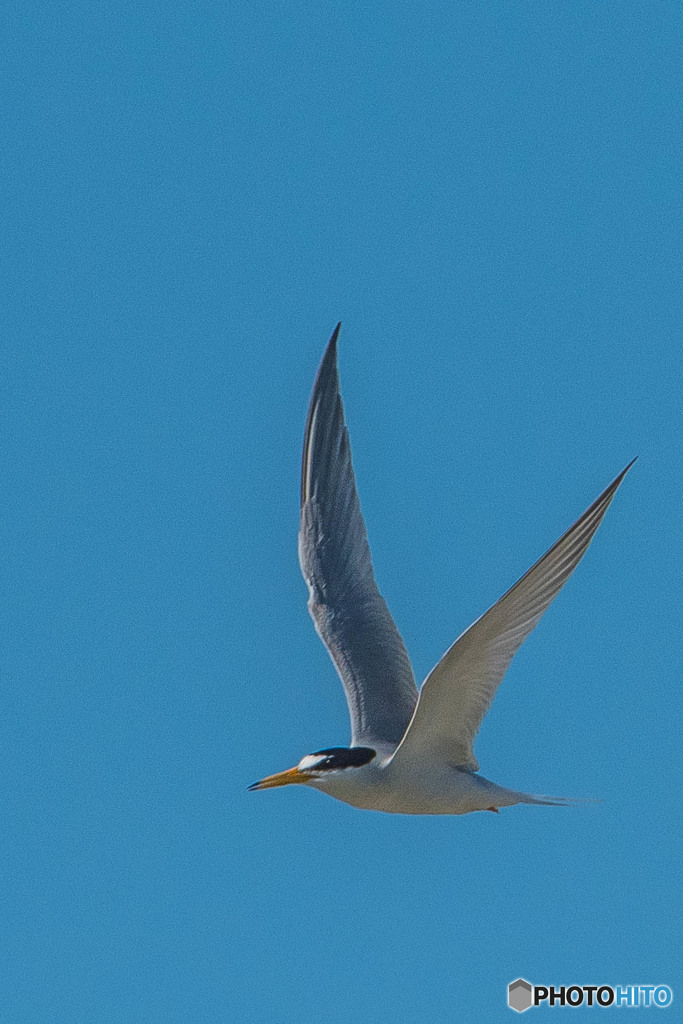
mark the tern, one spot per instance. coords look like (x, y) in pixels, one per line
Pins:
(410, 752)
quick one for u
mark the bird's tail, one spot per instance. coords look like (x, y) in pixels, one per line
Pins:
(557, 801)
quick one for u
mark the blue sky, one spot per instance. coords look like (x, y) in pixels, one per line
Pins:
(488, 196)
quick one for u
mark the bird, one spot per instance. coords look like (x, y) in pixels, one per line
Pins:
(410, 752)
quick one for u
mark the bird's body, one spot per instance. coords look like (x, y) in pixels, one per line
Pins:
(410, 753)
(418, 788)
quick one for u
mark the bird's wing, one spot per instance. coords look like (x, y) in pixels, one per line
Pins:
(458, 692)
(349, 613)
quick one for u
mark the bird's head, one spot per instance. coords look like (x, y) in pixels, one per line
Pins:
(319, 766)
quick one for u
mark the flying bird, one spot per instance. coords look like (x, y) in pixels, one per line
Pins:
(410, 752)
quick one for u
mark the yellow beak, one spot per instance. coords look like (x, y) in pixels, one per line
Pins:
(291, 776)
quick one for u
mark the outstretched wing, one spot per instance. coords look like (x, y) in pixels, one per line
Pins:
(349, 613)
(458, 692)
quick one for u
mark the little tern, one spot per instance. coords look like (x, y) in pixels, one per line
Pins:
(410, 753)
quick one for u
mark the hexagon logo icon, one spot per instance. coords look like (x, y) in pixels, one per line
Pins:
(520, 995)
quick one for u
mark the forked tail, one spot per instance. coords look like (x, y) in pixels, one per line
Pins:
(558, 801)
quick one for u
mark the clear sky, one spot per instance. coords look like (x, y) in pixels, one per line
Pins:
(488, 195)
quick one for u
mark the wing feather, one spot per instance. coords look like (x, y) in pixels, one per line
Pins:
(458, 692)
(349, 613)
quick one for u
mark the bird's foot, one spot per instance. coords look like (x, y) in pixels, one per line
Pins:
(494, 809)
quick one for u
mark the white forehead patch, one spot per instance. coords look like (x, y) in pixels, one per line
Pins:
(310, 761)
